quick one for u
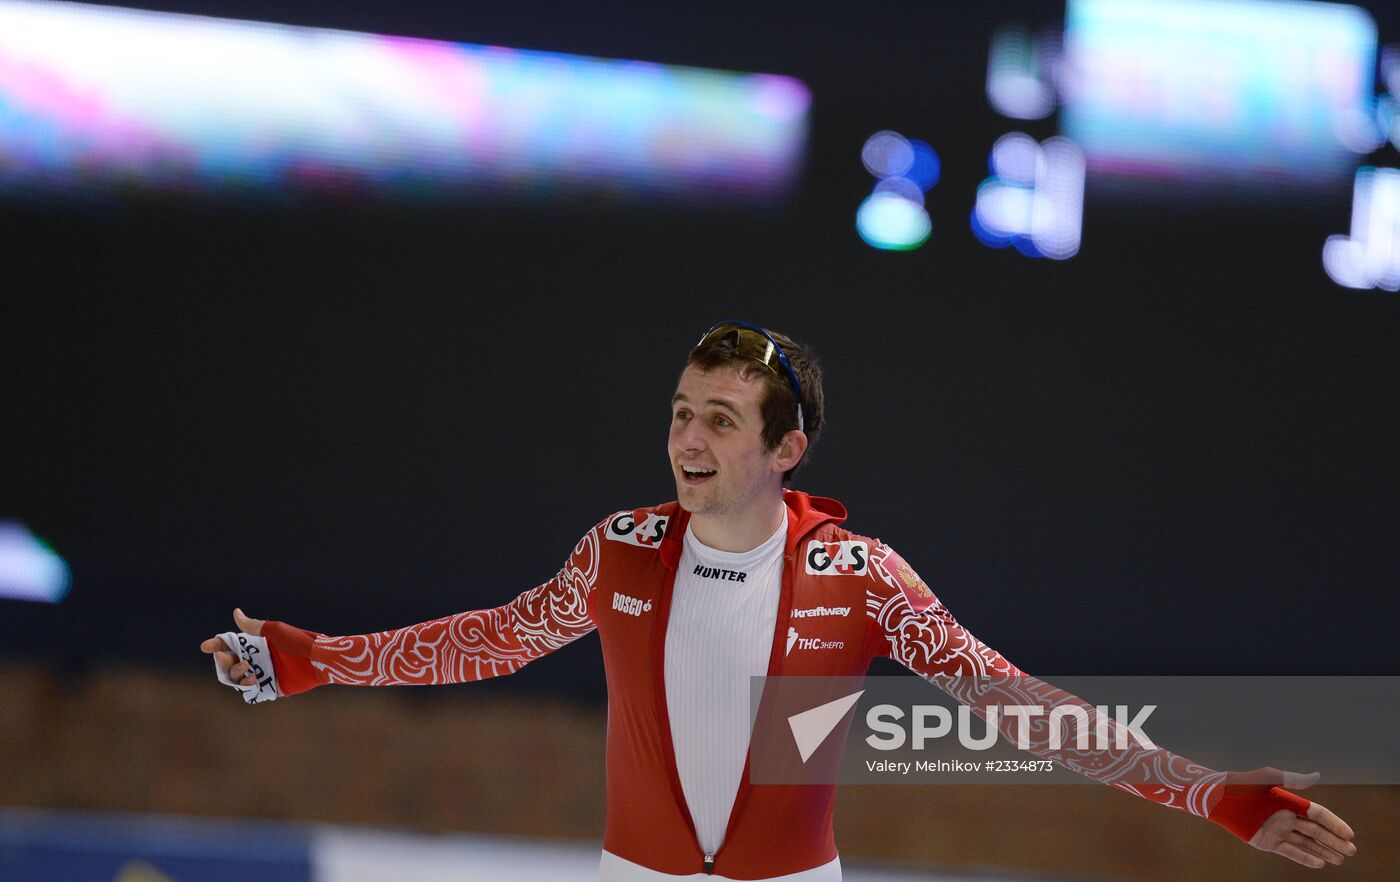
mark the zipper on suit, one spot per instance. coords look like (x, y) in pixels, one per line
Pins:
(775, 668)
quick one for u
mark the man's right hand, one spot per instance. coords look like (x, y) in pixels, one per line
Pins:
(228, 660)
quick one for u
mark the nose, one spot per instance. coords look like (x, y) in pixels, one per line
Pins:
(688, 437)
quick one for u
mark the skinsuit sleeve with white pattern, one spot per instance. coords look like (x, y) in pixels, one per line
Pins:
(921, 634)
(467, 646)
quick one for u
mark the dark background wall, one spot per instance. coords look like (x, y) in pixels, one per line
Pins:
(1175, 452)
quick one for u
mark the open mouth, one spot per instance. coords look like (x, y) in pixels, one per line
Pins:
(696, 475)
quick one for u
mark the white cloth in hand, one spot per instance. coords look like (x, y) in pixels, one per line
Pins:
(252, 649)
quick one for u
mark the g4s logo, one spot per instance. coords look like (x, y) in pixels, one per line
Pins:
(647, 534)
(848, 558)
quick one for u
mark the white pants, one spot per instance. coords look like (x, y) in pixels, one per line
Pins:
(615, 869)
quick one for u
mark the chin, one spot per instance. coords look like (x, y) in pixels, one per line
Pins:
(692, 502)
(681, 495)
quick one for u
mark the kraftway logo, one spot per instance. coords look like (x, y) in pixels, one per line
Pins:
(810, 728)
(821, 611)
(624, 528)
(795, 639)
(848, 558)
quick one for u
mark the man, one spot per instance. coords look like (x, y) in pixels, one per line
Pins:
(737, 578)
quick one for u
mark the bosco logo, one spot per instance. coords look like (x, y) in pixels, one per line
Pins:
(647, 534)
(630, 605)
(848, 558)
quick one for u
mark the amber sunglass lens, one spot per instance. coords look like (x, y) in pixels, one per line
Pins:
(747, 343)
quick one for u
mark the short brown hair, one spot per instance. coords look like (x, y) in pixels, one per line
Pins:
(778, 408)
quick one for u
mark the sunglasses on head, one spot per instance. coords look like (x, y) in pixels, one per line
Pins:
(752, 342)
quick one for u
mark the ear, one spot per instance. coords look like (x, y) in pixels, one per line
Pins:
(789, 451)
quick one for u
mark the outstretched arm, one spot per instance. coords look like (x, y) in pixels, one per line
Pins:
(467, 646)
(920, 633)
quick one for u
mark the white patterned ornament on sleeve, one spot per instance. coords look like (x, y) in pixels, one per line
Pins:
(252, 649)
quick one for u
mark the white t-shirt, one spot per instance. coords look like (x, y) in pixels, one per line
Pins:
(723, 611)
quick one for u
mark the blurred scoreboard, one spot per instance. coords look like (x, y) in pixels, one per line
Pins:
(1255, 91)
(113, 99)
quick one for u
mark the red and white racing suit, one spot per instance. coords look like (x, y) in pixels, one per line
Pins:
(619, 580)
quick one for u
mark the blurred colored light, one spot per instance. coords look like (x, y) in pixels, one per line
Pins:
(1390, 68)
(925, 168)
(29, 568)
(1370, 256)
(901, 187)
(1359, 132)
(1057, 217)
(95, 95)
(887, 154)
(1388, 118)
(1041, 215)
(779, 98)
(993, 238)
(1014, 158)
(1003, 209)
(1255, 91)
(1017, 77)
(892, 223)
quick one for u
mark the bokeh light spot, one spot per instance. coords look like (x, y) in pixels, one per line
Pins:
(901, 187)
(887, 154)
(926, 167)
(892, 223)
(29, 568)
(1014, 158)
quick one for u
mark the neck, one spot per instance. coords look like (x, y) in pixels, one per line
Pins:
(741, 532)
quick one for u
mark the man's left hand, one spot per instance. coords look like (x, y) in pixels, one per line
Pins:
(1319, 839)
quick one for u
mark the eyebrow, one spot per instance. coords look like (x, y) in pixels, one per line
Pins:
(719, 402)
